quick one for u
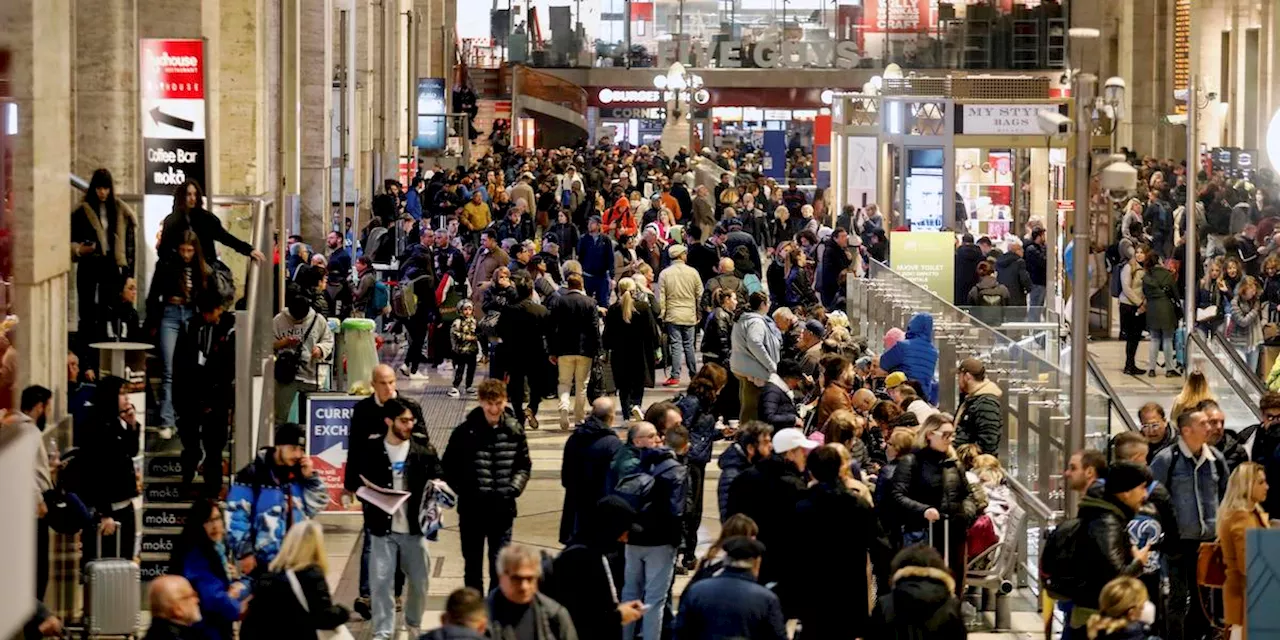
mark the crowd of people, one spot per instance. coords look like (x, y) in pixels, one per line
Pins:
(612, 271)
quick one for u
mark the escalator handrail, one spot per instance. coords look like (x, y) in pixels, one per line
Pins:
(1112, 396)
(1196, 337)
(1239, 362)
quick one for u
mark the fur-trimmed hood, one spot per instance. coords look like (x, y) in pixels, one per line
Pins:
(925, 573)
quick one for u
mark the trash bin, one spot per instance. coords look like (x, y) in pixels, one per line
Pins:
(360, 350)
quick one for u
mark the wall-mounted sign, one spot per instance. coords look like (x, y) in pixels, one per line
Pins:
(926, 258)
(1003, 119)
(627, 113)
(899, 16)
(431, 125)
(610, 95)
(171, 79)
(328, 440)
(765, 54)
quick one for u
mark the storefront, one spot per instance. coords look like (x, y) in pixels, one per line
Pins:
(977, 167)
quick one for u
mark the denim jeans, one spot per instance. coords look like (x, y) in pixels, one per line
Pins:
(649, 574)
(1159, 338)
(365, 541)
(1035, 300)
(173, 320)
(598, 288)
(410, 552)
(680, 338)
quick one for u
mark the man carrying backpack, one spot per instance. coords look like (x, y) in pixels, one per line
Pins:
(1196, 475)
(656, 489)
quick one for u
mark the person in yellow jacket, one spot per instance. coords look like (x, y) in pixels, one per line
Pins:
(476, 214)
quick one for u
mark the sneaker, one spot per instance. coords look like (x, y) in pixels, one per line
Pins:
(672, 382)
(420, 376)
(530, 419)
(636, 415)
(454, 393)
(471, 391)
(165, 432)
(690, 561)
(1151, 373)
(681, 571)
(362, 607)
(1173, 373)
(404, 370)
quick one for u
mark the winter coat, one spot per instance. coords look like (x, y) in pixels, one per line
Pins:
(578, 581)
(264, 501)
(462, 336)
(575, 325)
(835, 397)
(819, 595)
(313, 331)
(966, 264)
(661, 522)
(595, 253)
(587, 455)
(920, 605)
(757, 344)
(704, 257)
(1157, 285)
(421, 466)
(928, 479)
(980, 420)
(367, 426)
(730, 605)
(717, 337)
(523, 328)
(916, 356)
(208, 229)
(799, 289)
(483, 266)
(699, 418)
(1012, 272)
(768, 492)
(1104, 551)
(1235, 524)
(567, 237)
(988, 292)
(726, 281)
(453, 632)
(206, 569)
(275, 613)
(835, 259)
(777, 407)
(731, 463)
(551, 621)
(631, 345)
(205, 380)
(1037, 263)
(1196, 489)
(679, 288)
(1248, 318)
(487, 466)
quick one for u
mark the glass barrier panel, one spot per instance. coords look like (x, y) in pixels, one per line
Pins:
(1239, 411)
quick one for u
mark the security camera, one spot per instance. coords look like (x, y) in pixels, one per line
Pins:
(1054, 124)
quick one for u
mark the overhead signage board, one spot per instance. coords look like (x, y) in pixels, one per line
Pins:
(1004, 119)
(173, 118)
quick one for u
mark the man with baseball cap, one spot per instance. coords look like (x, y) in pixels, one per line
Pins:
(732, 604)
(769, 490)
(980, 419)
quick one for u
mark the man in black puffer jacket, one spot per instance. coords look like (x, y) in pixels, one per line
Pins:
(980, 420)
(587, 455)
(487, 464)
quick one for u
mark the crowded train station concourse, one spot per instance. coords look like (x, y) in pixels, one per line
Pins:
(639, 319)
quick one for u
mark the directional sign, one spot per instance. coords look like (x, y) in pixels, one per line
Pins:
(172, 115)
(328, 432)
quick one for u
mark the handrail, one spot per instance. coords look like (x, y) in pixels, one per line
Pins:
(1096, 371)
(1226, 375)
(1030, 502)
(1239, 362)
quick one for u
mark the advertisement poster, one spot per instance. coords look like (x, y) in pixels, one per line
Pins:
(899, 16)
(431, 121)
(926, 258)
(775, 155)
(328, 428)
(171, 80)
(860, 170)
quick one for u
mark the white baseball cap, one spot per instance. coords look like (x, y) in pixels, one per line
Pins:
(788, 439)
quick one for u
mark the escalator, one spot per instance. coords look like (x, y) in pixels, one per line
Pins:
(1237, 389)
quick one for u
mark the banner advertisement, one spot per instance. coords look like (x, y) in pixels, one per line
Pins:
(431, 121)
(926, 258)
(328, 422)
(171, 80)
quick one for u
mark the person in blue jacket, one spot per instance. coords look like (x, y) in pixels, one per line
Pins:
(916, 356)
(595, 252)
(269, 495)
(201, 557)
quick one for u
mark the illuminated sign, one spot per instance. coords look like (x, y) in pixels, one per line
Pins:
(650, 96)
(766, 54)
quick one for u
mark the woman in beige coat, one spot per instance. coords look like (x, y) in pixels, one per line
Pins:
(1240, 511)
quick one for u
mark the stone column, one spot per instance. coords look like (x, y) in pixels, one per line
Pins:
(105, 90)
(37, 36)
(315, 77)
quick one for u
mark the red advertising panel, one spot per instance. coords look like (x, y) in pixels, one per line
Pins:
(899, 16)
(172, 68)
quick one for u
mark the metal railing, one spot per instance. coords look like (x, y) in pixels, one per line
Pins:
(1232, 396)
(1118, 410)
(1229, 349)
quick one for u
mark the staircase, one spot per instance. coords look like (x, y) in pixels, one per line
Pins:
(165, 504)
(490, 110)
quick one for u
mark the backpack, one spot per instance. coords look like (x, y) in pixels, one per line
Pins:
(376, 238)
(990, 298)
(404, 300)
(1058, 572)
(637, 487)
(752, 283)
(381, 298)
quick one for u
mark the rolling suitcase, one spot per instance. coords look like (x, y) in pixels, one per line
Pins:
(113, 594)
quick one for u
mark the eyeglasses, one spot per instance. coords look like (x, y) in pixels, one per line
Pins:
(1271, 417)
(946, 434)
(1151, 425)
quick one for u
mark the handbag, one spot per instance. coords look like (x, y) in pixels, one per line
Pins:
(1211, 567)
(289, 361)
(339, 633)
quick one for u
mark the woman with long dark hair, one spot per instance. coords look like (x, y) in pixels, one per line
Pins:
(631, 338)
(189, 214)
(170, 305)
(103, 242)
(201, 557)
(698, 409)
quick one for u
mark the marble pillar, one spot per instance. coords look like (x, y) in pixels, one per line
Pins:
(315, 78)
(37, 34)
(105, 91)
